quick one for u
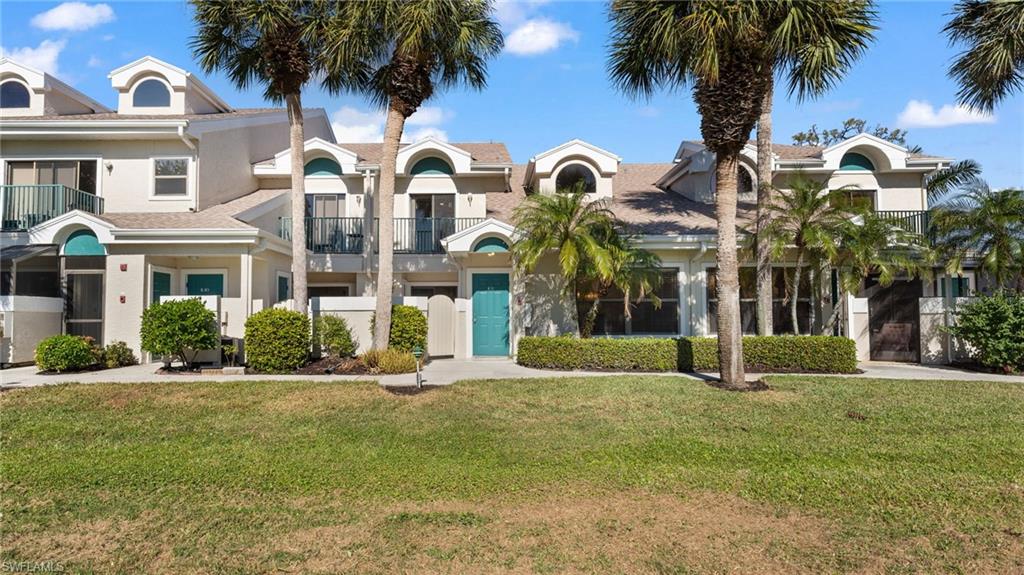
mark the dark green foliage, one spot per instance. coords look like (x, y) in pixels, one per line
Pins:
(277, 340)
(334, 336)
(408, 328)
(179, 328)
(118, 354)
(994, 328)
(64, 353)
(389, 361)
(820, 354)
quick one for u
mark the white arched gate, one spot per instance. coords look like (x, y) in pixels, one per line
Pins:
(440, 326)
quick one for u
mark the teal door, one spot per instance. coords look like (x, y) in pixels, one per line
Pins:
(490, 315)
(204, 284)
(161, 285)
(282, 288)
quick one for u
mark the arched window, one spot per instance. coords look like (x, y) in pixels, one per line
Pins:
(576, 175)
(853, 161)
(83, 243)
(151, 93)
(490, 245)
(745, 184)
(14, 94)
(431, 166)
(322, 167)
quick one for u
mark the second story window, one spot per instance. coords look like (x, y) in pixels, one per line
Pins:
(575, 175)
(858, 199)
(14, 94)
(78, 174)
(170, 177)
(151, 93)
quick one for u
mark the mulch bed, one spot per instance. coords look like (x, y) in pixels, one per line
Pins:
(974, 366)
(333, 366)
(178, 371)
(409, 389)
(758, 385)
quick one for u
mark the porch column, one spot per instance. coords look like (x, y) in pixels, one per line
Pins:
(245, 283)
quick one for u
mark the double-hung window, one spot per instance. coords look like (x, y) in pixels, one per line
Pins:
(170, 177)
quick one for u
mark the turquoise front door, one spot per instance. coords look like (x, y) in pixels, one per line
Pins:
(161, 285)
(204, 284)
(490, 315)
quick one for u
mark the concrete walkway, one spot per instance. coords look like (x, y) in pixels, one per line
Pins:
(448, 371)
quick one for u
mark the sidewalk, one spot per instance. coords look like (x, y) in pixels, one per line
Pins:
(448, 371)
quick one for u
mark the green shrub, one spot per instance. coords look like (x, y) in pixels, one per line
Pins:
(389, 361)
(276, 340)
(334, 336)
(62, 353)
(993, 327)
(179, 328)
(598, 354)
(408, 328)
(823, 354)
(118, 354)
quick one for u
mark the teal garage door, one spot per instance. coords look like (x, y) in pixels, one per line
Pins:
(204, 284)
(490, 315)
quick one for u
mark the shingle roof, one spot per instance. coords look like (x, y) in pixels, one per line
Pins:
(106, 116)
(215, 217)
(483, 152)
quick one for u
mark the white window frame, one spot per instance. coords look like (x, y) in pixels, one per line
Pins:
(188, 179)
(162, 80)
(31, 95)
(593, 171)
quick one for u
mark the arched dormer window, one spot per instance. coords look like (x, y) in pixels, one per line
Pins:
(852, 161)
(151, 93)
(14, 94)
(431, 166)
(322, 167)
(491, 245)
(576, 175)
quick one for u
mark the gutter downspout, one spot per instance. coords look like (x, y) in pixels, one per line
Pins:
(691, 297)
(191, 146)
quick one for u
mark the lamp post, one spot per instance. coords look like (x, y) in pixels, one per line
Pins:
(417, 352)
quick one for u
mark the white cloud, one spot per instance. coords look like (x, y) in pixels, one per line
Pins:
(94, 62)
(74, 16)
(538, 36)
(42, 57)
(352, 125)
(512, 12)
(921, 114)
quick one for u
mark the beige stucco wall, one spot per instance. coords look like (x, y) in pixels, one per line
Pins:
(25, 329)
(226, 157)
(123, 321)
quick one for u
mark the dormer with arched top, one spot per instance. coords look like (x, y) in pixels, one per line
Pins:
(25, 91)
(149, 86)
(573, 164)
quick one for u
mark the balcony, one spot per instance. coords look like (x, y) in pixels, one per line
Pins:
(914, 221)
(26, 206)
(345, 235)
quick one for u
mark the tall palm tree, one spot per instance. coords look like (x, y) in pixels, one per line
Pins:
(565, 223)
(632, 270)
(276, 44)
(978, 223)
(727, 52)
(416, 48)
(806, 219)
(991, 68)
(762, 249)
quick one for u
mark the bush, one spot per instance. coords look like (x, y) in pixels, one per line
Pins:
(118, 354)
(179, 328)
(62, 353)
(277, 340)
(822, 354)
(389, 361)
(993, 327)
(781, 353)
(408, 328)
(334, 336)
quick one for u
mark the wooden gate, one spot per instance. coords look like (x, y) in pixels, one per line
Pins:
(440, 326)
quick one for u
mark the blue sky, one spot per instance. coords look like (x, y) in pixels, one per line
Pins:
(550, 85)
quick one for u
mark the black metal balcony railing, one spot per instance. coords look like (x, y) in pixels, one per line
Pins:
(26, 206)
(424, 235)
(914, 221)
(329, 235)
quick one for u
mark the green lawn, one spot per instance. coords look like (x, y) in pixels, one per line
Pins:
(601, 475)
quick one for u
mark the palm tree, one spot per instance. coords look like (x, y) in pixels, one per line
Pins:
(978, 223)
(991, 68)
(276, 44)
(565, 223)
(632, 270)
(871, 245)
(413, 49)
(807, 219)
(762, 249)
(727, 52)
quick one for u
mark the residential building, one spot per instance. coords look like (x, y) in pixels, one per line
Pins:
(176, 193)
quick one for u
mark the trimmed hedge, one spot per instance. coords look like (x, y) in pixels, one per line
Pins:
(277, 340)
(816, 354)
(408, 328)
(62, 353)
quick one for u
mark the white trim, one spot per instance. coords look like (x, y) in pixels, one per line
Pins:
(188, 195)
(512, 340)
(24, 84)
(149, 281)
(151, 76)
(25, 303)
(185, 272)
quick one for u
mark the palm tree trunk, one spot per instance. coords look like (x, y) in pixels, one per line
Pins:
(297, 142)
(386, 229)
(587, 328)
(730, 336)
(796, 290)
(812, 300)
(764, 196)
(833, 318)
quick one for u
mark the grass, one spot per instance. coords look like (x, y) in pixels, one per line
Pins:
(618, 474)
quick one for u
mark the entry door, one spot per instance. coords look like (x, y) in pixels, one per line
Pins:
(490, 315)
(894, 321)
(161, 285)
(84, 305)
(204, 284)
